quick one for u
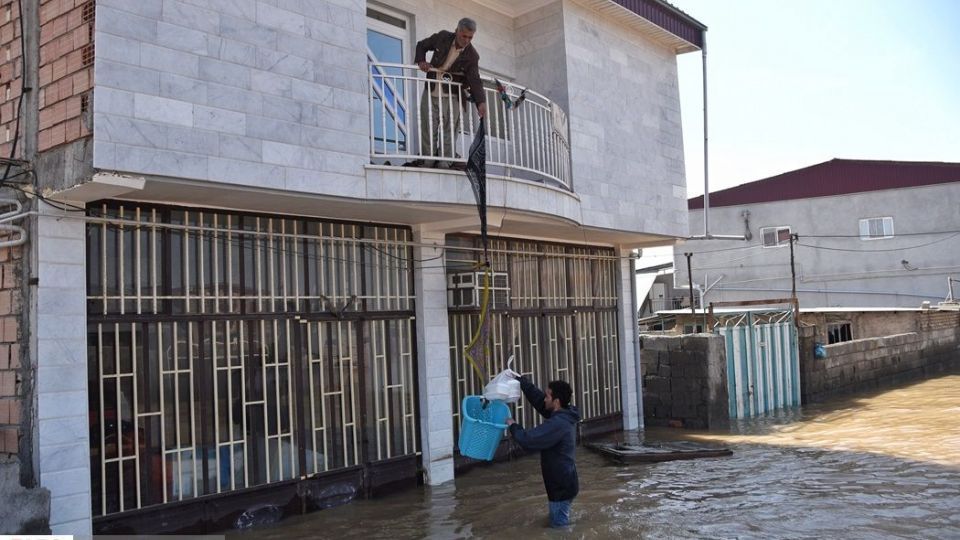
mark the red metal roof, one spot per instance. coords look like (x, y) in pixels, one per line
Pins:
(835, 177)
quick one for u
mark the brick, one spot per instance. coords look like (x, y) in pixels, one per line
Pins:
(74, 62)
(9, 275)
(14, 356)
(58, 134)
(74, 18)
(8, 440)
(11, 329)
(6, 302)
(72, 129)
(8, 383)
(81, 81)
(16, 411)
(46, 74)
(44, 140)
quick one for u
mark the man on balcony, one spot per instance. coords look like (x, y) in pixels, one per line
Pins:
(455, 66)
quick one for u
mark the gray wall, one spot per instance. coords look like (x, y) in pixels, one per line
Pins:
(234, 91)
(625, 126)
(684, 381)
(826, 277)
(247, 93)
(873, 363)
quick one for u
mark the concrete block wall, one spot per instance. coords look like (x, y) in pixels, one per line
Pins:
(872, 363)
(66, 70)
(11, 75)
(244, 92)
(684, 381)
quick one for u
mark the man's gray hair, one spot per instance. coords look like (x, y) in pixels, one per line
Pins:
(467, 23)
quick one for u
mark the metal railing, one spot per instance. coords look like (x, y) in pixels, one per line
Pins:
(230, 351)
(529, 141)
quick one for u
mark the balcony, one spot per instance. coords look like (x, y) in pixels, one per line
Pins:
(529, 141)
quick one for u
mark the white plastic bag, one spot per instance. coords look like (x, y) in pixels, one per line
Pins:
(504, 387)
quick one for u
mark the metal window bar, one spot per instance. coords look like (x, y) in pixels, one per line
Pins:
(189, 356)
(576, 286)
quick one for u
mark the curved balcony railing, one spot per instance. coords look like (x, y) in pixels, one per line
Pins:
(529, 141)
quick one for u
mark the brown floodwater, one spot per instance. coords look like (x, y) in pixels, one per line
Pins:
(885, 465)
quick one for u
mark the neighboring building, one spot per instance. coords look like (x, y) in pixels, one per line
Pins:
(661, 295)
(870, 233)
(235, 298)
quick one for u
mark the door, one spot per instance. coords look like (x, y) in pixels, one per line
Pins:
(387, 47)
(763, 362)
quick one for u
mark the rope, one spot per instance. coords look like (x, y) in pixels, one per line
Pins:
(479, 332)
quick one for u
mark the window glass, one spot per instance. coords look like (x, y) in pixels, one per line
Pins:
(775, 236)
(876, 228)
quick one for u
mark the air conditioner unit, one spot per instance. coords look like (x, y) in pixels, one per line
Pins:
(465, 290)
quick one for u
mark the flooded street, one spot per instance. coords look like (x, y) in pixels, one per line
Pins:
(881, 466)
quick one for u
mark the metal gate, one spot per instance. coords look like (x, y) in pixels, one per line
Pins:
(763, 361)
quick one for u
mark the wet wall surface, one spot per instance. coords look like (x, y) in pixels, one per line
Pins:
(884, 465)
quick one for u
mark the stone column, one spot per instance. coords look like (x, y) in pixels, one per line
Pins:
(59, 328)
(629, 347)
(433, 359)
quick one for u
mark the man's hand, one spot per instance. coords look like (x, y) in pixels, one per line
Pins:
(482, 109)
(510, 421)
(424, 66)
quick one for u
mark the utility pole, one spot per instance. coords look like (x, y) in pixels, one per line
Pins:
(690, 282)
(793, 269)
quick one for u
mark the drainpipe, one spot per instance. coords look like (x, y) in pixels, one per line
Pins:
(636, 342)
(706, 161)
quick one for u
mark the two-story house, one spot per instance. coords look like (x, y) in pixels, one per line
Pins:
(237, 295)
(866, 234)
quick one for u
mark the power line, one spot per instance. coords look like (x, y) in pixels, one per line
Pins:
(880, 250)
(893, 236)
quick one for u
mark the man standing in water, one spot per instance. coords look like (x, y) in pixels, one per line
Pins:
(556, 439)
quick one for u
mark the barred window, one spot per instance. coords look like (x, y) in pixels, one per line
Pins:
(560, 323)
(231, 350)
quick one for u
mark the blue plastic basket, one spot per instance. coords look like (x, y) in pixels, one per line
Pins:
(482, 427)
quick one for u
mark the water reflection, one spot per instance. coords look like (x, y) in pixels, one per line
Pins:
(882, 466)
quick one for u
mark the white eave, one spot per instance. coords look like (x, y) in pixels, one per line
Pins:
(632, 20)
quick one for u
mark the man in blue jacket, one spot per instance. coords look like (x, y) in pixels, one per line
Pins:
(556, 439)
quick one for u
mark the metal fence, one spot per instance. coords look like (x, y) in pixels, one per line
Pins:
(561, 323)
(228, 351)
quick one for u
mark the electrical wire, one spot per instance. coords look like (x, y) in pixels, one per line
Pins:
(893, 236)
(23, 90)
(879, 250)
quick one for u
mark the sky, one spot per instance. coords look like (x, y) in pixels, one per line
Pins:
(793, 83)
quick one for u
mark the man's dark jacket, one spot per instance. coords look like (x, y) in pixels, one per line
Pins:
(465, 69)
(556, 439)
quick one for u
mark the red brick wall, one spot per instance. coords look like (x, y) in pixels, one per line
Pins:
(11, 73)
(66, 70)
(11, 264)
